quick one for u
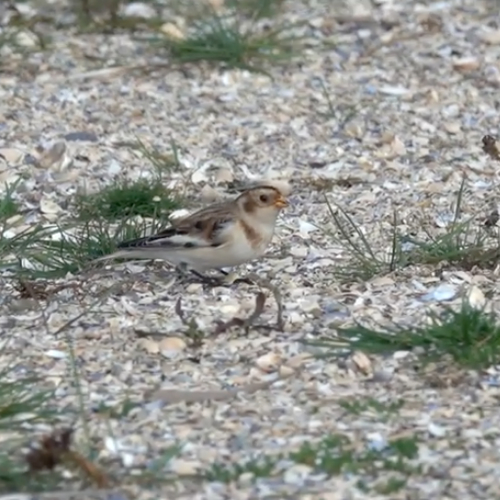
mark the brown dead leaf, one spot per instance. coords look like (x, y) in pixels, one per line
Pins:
(491, 147)
(41, 290)
(55, 449)
(492, 219)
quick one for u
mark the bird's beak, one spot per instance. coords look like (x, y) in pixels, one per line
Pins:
(281, 202)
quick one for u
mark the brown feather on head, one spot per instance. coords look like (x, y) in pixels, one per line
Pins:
(262, 197)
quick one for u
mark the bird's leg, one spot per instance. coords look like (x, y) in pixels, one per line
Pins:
(209, 280)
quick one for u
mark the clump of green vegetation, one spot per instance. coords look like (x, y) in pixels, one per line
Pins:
(221, 38)
(364, 262)
(127, 199)
(463, 245)
(470, 336)
(8, 206)
(22, 404)
(334, 455)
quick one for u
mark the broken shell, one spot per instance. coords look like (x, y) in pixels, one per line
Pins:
(269, 362)
(170, 347)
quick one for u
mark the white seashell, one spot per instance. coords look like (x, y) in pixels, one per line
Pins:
(171, 347)
(305, 228)
(11, 156)
(286, 371)
(476, 298)
(395, 91)
(184, 467)
(47, 206)
(139, 9)
(129, 308)
(150, 346)
(179, 214)
(127, 459)
(54, 353)
(112, 445)
(209, 195)
(362, 362)
(436, 430)
(172, 31)
(441, 293)
(54, 157)
(224, 174)
(269, 362)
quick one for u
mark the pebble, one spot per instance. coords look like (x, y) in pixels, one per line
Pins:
(171, 347)
(269, 362)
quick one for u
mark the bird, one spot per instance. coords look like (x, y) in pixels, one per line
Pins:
(224, 234)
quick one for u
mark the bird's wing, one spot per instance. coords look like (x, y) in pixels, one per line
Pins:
(205, 228)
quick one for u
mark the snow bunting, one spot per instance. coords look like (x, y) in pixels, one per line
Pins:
(224, 234)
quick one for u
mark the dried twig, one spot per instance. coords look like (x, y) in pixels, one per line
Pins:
(180, 312)
(264, 283)
(260, 301)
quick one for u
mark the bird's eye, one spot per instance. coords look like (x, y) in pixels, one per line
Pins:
(264, 198)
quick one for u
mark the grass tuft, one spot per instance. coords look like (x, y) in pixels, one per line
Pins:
(8, 206)
(220, 38)
(143, 198)
(23, 405)
(334, 455)
(470, 336)
(70, 248)
(364, 262)
(462, 244)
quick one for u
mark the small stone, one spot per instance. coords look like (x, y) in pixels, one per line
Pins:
(54, 353)
(286, 371)
(491, 37)
(22, 305)
(170, 347)
(81, 136)
(26, 39)
(139, 9)
(466, 64)
(382, 376)
(224, 175)
(394, 91)
(297, 474)
(436, 430)
(362, 362)
(53, 157)
(476, 298)
(453, 127)
(441, 293)
(269, 362)
(11, 156)
(194, 288)
(209, 195)
(172, 31)
(300, 252)
(184, 467)
(47, 206)
(305, 228)
(178, 214)
(150, 346)
(398, 146)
